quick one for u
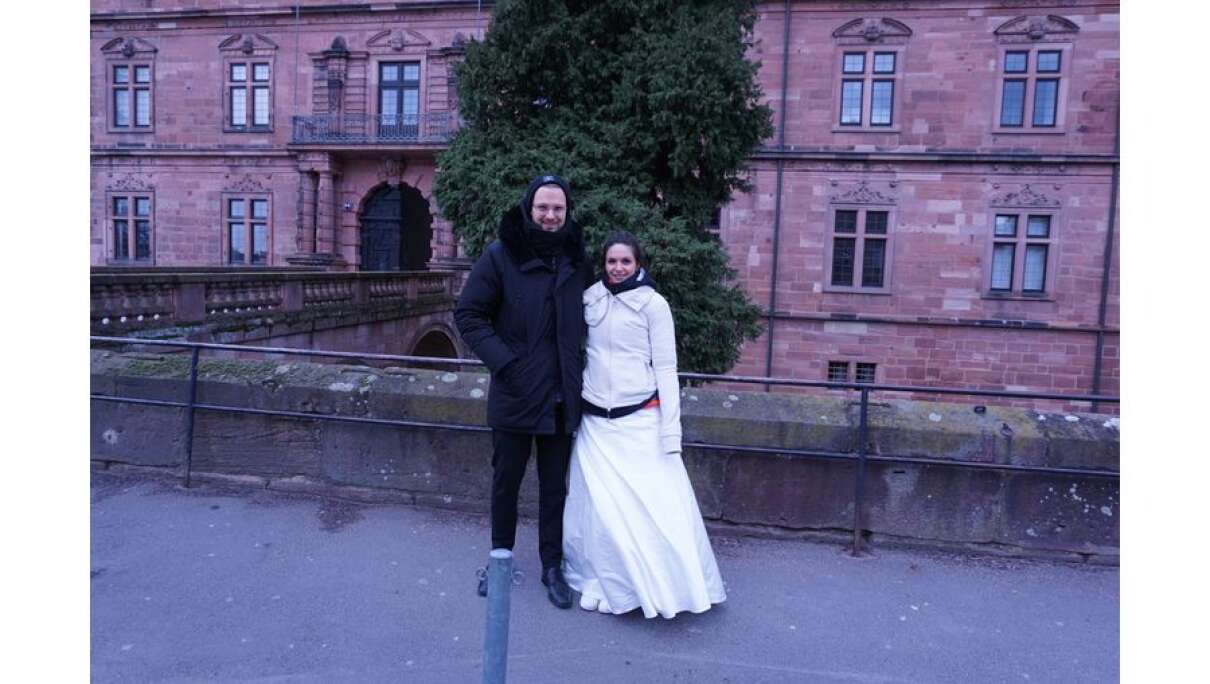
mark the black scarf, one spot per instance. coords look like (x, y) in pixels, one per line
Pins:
(546, 244)
(638, 279)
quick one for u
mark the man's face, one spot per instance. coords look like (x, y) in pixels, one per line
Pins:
(549, 208)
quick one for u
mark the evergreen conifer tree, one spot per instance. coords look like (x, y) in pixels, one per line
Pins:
(649, 108)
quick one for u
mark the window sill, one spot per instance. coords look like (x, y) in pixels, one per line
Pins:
(130, 263)
(835, 289)
(866, 129)
(248, 129)
(145, 130)
(1019, 297)
(1028, 131)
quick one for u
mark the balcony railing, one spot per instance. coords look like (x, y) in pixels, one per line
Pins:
(375, 129)
(134, 301)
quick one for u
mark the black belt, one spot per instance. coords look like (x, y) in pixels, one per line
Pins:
(618, 412)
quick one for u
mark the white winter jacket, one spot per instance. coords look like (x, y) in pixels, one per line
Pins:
(631, 353)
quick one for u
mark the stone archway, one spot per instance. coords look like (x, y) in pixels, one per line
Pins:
(435, 343)
(396, 229)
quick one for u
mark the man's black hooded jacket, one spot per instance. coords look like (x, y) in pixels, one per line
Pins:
(524, 317)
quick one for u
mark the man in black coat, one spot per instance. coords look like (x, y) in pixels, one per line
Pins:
(522, 312)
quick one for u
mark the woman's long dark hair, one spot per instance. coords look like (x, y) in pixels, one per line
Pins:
(621, 237)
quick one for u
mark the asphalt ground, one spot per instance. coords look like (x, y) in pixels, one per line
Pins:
(252, 585)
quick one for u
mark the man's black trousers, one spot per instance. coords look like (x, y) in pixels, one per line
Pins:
(510, 454)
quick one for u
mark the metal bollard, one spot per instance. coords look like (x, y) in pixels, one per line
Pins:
(499, 589)
(863, 435)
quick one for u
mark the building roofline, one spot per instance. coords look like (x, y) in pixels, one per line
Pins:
(794, 154)
(286, 10)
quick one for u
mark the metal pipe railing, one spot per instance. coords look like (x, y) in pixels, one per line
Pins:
(857, 453)
(427, 127)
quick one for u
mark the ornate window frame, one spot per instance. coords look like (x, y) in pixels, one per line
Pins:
(397, 45)
(869, 37)
(131, 189)
(133, 54)
(1023, 204)
(862, 200)
(246, 190)
(248, 50)
(1033, 35)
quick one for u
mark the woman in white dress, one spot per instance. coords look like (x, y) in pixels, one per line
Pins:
(632, 532)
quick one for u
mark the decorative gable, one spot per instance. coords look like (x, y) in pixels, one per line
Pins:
(1026, 197)
(129, 48)
(863, 194)
(873, 31)
(398, 40)
(1034, 28)
(246, 184)
(248, 44)
(130, 183)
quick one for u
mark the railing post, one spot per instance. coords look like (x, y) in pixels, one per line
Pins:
(859, 494)
(190, 302)
(189, 415)
(292, 295)
(495, 645)
(361, 292)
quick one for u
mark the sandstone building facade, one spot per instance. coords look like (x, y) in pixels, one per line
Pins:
(938, 204)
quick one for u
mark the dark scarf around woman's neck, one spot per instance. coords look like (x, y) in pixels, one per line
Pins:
(639, 278)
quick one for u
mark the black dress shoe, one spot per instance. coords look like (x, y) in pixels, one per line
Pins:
(482, 573)
(556, 587)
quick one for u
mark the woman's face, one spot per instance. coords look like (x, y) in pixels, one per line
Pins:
(619, 263)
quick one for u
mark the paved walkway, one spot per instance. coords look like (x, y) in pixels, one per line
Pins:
(251, 585)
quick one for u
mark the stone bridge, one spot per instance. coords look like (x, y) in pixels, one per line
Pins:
(406, 312)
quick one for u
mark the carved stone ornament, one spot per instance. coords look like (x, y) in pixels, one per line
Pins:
(391, 170)
(128, 47)
(1030, 169)
(398, 39)
(873, 30)
(131, 183)
(247, 43)
(246, 184)
(862, 194)
(339, 48)
(1025, 197)
(1035, 28)
(314, 161)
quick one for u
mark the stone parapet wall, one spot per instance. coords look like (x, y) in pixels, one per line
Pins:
(766, 493)
(241, 306)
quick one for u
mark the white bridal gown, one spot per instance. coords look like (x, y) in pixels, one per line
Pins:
(633, 535)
